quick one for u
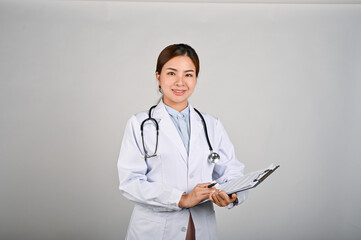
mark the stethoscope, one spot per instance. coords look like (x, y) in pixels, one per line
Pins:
(213, 157)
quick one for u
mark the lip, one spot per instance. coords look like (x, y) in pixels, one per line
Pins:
(178, 92)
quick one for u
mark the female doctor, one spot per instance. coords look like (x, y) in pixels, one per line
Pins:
(166, 172)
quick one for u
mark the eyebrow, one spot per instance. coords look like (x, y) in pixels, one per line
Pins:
(177, 70)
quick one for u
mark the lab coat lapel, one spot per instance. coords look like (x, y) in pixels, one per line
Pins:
(167, 127)
(196, 129)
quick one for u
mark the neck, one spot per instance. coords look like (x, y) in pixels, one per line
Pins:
(177, 106)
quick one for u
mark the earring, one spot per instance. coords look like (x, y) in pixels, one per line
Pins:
(160, 89)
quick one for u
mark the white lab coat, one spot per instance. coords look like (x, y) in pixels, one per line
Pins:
(156, 185)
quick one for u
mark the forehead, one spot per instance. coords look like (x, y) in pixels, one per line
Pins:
(180, 63)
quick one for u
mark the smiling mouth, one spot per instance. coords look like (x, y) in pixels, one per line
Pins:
(179, 92)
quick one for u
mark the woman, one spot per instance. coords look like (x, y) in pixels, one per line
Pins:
(168, 175)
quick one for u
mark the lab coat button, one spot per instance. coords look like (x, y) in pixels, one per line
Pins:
(184, 229)
(191, 176)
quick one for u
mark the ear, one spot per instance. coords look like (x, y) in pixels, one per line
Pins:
(157, 76)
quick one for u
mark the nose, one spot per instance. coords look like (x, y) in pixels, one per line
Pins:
(180, 81)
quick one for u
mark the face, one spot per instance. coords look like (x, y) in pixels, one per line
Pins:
(177, 80)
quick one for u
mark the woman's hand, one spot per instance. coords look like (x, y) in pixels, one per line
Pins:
(199, 193)
(221, 198)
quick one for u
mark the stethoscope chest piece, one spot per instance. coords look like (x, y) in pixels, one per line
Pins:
(213, 157)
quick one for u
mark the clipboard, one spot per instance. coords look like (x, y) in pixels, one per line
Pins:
(248, 181)
(245, 182)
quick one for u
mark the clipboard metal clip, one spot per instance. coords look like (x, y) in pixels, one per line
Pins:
(265, 174)
(259, 175)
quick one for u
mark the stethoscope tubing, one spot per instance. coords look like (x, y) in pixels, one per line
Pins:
(205, 129)
(212, 158)
(142, 133)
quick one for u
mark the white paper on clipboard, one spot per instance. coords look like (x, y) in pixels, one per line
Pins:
(246, 181)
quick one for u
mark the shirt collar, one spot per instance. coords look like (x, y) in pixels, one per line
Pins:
(175, 113)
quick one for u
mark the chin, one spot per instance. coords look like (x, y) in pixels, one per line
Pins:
(176, 99)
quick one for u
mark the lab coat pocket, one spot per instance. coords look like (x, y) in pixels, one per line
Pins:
(144, 225)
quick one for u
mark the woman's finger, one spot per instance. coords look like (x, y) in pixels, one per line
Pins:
(216, 197)
(223, 198)
(234, 197)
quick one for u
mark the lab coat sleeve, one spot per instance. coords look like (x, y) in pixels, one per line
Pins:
(132, 170)
(229, 166)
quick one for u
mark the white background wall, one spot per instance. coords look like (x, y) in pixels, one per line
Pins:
(283, 78)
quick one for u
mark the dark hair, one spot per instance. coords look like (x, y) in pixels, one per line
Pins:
(176, 50)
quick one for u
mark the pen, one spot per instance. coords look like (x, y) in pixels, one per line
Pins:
(212, 184)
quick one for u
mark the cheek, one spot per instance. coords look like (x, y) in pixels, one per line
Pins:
(165, 81)
(192, 84)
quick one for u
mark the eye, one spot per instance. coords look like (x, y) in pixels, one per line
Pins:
(189, 75)
(171, 73)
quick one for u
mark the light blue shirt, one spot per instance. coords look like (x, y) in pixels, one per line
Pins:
(182, 123)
